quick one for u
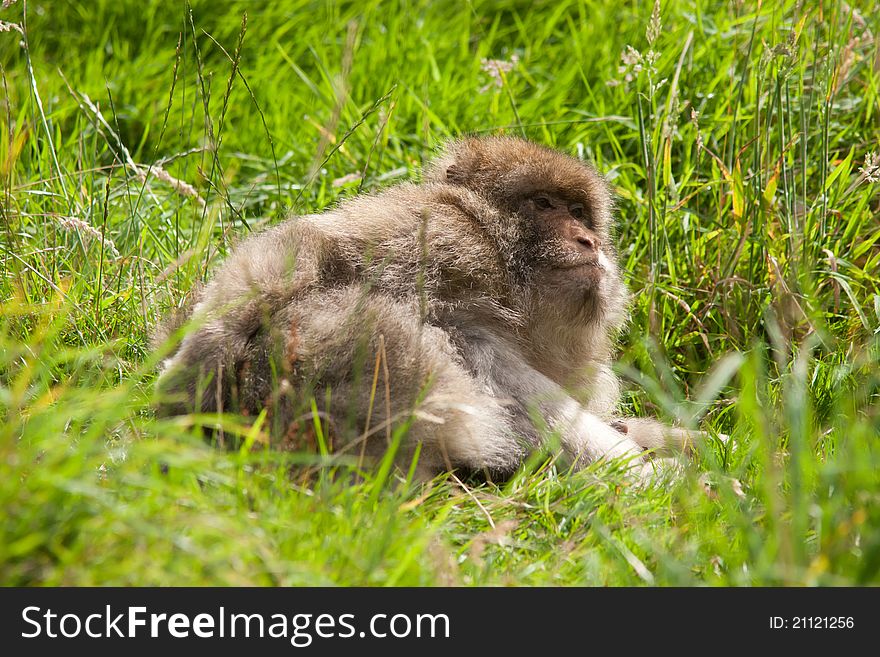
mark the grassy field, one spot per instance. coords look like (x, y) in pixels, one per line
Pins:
(139, 140)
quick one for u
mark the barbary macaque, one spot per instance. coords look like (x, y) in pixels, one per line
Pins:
(477, 310)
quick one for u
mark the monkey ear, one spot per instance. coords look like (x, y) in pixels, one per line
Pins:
(465, 159)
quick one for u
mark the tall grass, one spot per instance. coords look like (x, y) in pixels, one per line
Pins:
(140, 140)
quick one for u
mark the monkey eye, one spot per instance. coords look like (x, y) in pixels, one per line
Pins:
(576, 211)
(542, 203)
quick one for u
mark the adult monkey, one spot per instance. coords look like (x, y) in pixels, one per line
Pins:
(490, 294)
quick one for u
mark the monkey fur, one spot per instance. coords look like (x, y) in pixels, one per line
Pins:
(478, 309)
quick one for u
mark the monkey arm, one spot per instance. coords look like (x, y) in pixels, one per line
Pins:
(584, 436)
(660, 438)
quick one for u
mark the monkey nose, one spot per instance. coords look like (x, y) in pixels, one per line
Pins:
(591, 243)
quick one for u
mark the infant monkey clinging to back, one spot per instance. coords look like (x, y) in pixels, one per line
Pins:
(490, 293)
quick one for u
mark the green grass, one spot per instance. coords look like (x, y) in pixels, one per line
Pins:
(751, 235)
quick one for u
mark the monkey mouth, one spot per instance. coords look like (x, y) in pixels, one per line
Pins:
(577, 277)
(582, 264)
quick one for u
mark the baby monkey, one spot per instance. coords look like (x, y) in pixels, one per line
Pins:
(476, 311)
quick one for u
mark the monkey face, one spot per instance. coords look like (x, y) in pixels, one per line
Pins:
(567, 240)
(567, 254)
(551, 226)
